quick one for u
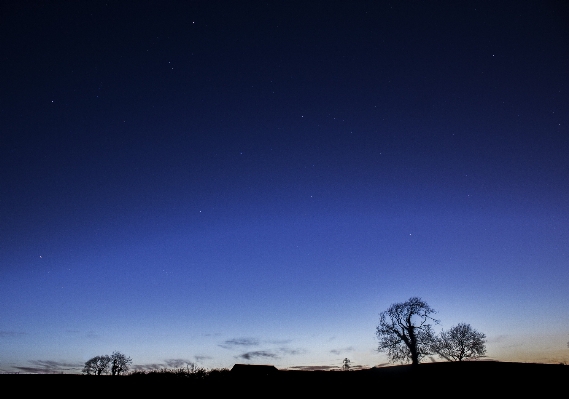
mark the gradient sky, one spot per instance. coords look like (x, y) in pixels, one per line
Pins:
(227, 182)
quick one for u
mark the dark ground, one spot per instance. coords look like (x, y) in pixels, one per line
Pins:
(467, 379)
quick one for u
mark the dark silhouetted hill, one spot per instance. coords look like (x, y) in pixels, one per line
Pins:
(464, 379)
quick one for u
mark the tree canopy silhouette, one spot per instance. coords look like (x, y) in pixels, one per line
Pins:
(117, 364)
(404, 331)
(97, 365)
(461, 342)
(120, 363)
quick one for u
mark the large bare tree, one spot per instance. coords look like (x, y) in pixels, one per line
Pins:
(97, 365)
(405, 332)
(119, 363)
(461, 342)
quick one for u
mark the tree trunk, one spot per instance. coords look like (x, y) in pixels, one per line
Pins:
(413, 346)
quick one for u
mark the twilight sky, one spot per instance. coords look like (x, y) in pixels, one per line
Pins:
(227, 182)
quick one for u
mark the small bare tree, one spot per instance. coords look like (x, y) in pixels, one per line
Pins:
(346, 364)
(120, 363)
(461, 342)
(97, 365)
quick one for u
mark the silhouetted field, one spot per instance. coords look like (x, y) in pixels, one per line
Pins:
(465, 379)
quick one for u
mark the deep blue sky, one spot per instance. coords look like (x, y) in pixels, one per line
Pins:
(227, 182)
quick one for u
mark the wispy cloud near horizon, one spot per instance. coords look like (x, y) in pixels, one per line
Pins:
(201, 358)
(49, 367)
(256, 354)
(11, 334)
(313, 368)
(342, 350)
(239, 342)
(177, 363)
(289, 351)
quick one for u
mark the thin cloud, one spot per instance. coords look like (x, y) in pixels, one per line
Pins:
(246, 342)
(239, 342)
(256, 354)
(11, 334)
(200, 358)
(177, 363)
(328, 367)
(279, 342)
(357, 367)
(342, 350)
(513, 345)
(498, 338)
(48, 367)
(289, 351)
(313, 368)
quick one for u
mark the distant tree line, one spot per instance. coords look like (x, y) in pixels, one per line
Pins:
(120, 364)
(190, 372)
(405, 333)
